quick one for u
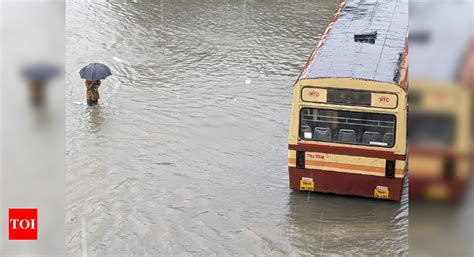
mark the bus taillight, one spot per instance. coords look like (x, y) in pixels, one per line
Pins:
(390, 169)
(300, 159)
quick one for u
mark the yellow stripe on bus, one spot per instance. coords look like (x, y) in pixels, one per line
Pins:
(346, 167)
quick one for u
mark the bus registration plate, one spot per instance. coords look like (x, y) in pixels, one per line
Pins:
(307, 184)
(381, 192)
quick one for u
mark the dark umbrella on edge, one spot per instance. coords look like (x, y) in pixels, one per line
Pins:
(95, 71)
(40, 71)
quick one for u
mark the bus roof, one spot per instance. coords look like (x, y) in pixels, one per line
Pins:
(366, 39)
(440, 36)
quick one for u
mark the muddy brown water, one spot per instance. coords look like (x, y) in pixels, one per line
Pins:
(187, 152)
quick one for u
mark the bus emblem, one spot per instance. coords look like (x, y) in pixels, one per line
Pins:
(314, 93)
(384, 99)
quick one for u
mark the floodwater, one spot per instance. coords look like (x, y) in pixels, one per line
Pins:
(187, 152)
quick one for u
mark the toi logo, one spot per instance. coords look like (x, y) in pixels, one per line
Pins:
(23, 224)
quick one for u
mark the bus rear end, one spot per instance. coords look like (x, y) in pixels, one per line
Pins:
(440, 141)
(348, 137)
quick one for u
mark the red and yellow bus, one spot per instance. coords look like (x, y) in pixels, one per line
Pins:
(349, 114)
(441, 104)
(440, 140)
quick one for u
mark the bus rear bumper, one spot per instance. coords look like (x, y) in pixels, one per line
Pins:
(346, 183)
(437, 189)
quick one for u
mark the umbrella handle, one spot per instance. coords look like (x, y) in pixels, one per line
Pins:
(91, 84)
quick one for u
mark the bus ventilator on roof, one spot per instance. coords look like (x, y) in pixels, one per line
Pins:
(369, 37)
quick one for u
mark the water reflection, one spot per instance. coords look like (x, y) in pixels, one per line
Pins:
(331, 224)
(96, 118)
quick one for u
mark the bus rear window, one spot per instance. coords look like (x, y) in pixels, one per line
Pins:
(347, 127)
(431, 129)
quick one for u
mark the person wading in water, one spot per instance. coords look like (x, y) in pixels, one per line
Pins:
(38, 75)
(92, 92)
(37, 92)
(93, 73)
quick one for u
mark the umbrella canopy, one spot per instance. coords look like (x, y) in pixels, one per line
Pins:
(95, 71)
(40, 71)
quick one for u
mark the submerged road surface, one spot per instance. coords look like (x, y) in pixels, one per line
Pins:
(187, 152)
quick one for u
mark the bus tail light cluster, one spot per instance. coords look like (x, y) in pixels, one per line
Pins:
(300, 159)
(390, 169)
(448, 169)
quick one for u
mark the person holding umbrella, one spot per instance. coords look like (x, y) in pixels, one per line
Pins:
(92, 92)
(38, 75)
(93, 73)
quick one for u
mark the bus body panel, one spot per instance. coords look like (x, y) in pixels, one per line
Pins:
(347, 183)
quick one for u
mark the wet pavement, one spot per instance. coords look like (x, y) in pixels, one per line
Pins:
(187, 152)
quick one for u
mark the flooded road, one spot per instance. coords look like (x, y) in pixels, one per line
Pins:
(187, 152)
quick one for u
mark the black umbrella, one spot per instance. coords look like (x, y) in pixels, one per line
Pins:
(42, 71)
(95, 71)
